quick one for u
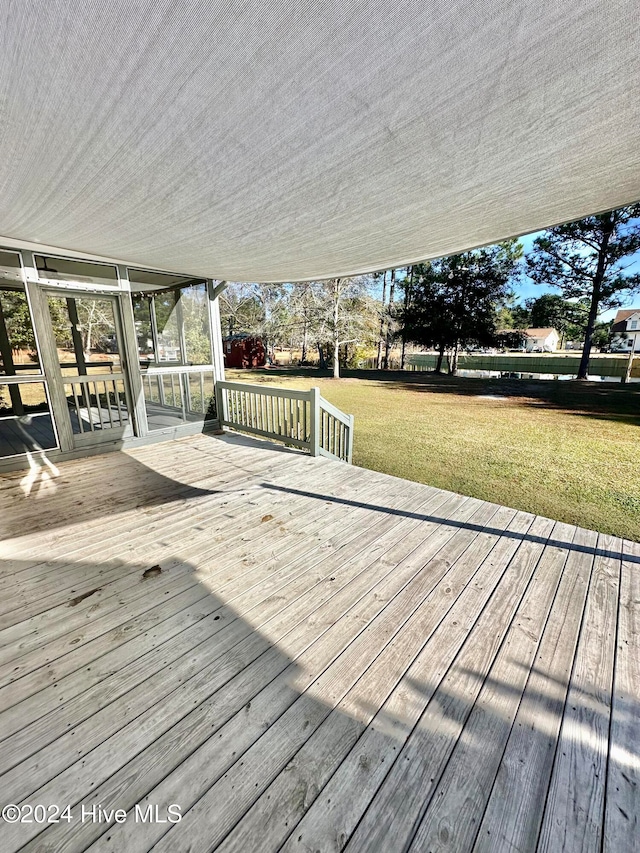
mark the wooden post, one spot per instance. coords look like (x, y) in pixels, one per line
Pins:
(350, 440)
(221, 403)
(627, 373)
(129, 355)
(314, 432)
(217, 354)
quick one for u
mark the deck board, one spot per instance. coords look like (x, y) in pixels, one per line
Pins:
(622, 812)
(330, 659)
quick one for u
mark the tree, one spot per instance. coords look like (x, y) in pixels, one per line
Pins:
(327, 316)
(514, 316)
(383, 313)
(346, 318)
(601, 337)
(16, 315)
(263, 310)
(455, 300)
(391, 329)
(306, 301)
(241, 309)
(96, 321)
(585, 260)
(552, 311)
(407, 287)
(195, 321)
(389, 314)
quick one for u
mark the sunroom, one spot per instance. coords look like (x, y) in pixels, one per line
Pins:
(96, 355)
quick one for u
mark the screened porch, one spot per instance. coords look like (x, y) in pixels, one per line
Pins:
(95, 354)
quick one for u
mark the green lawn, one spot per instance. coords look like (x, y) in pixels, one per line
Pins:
(566, 450)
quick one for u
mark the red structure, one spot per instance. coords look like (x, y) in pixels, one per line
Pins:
(243, 351)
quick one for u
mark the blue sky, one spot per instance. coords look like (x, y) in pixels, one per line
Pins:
(528, 289)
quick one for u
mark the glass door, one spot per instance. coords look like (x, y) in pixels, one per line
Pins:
(88, 338)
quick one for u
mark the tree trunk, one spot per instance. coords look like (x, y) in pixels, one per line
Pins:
(583, 370)
(387, 343)
(336, 329)
(336, 360)
(305, 336)
(382, 312)
(88, 332)
(322, 361)
(453, 360)
(440, 359)
(407, 296)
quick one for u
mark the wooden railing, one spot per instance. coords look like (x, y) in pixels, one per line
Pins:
(299, 418)
(97, 402)
(335, 431)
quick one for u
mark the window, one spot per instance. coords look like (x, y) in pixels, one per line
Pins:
(18, 352)
(195, 317)
(25, 419)
(172, 326)
(633, 325)
(168, 347)
(82, 272)
(144, 328)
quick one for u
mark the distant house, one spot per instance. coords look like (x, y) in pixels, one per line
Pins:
(625, 331)
(541, 340)
(243, 350)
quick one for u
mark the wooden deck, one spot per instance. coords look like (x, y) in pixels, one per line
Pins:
(306, 656)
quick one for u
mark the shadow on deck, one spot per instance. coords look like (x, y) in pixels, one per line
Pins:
(296, 666)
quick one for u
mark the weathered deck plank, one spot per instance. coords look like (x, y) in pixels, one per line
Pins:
(111, 671)
(388, 781)
(247, 544)
(450, 819)
(622, 808)
(152, 764)
(573, 818)
(235, 792)
(330, 660)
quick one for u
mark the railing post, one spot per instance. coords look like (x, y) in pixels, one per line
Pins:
(350, 440)
(314, 431)
(221, 404)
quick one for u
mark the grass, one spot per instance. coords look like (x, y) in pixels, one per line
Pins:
(566, 450)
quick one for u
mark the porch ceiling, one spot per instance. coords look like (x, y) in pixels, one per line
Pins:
(278, 141)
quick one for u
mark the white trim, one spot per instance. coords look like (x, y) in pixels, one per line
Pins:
(14, 245)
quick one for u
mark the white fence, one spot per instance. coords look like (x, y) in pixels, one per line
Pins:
(300, 418)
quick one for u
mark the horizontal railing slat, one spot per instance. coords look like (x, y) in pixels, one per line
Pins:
(285, 393)
(87, 379)
(178, 368)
